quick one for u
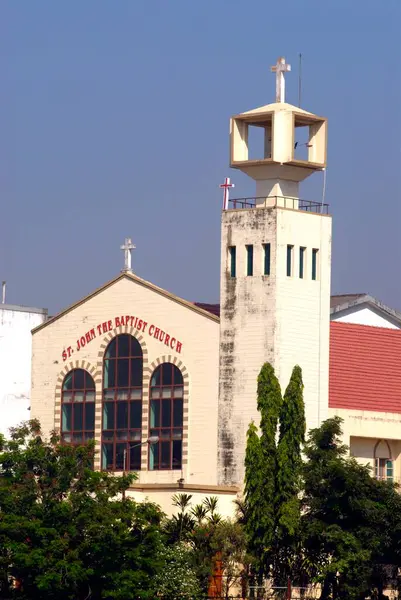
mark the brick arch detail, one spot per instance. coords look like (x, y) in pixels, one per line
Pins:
(168, 358)
(73, 364)
(114, 333)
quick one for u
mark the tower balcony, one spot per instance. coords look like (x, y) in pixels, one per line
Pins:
(279, 201)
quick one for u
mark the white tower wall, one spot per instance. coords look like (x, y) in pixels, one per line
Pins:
(276, 318)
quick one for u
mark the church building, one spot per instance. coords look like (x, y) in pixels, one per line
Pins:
(167, 387)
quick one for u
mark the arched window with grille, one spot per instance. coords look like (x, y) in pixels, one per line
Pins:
(78, 407)
(122, 404)
(166, 417)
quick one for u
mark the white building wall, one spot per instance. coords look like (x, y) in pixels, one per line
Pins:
(16, 324)
(364, 315)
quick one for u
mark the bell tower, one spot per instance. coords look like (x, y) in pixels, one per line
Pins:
(275, 272)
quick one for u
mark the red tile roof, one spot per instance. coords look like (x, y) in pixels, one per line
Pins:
(365, 367)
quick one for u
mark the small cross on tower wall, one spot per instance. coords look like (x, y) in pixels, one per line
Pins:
(279, 69)
(127, 247)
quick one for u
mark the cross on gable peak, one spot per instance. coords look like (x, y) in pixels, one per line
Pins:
(127, 247)
(279, 69)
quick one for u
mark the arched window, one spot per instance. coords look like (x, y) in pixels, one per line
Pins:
(383, 461)
(78, 407)
(166, 417)
(122, 405)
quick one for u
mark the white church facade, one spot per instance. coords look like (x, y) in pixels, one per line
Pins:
(167, 387)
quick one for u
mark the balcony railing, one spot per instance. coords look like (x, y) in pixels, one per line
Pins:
(281, 201)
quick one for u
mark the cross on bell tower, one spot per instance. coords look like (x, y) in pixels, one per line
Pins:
(279, 69)
(127, 247)
(275, 271)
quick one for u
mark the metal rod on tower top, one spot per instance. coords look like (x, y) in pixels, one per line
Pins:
(299, 80)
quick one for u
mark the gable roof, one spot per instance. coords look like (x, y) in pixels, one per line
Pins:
(342, 303)
(138, 280)
(364, 367)
(214, 309)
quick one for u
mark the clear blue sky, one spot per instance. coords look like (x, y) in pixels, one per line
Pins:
(114, 122)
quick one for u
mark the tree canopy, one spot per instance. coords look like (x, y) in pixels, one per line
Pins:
(351, 522)
(65, 532)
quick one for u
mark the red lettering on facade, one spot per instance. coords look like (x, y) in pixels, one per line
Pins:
(124, 320)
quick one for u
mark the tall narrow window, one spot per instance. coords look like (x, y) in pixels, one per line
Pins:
(290, 250)
(302, 251)
(314, 263)
(249, 260)
(233, 261)
(78, 407)
(166, 417)
(122, 405)
(266, 259)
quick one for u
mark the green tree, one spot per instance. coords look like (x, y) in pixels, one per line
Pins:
(288, 478)
(178, 528)
(65, 531)
(260, 470)
(351, 523)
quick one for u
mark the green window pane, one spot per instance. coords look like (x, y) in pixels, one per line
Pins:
(107, 457)
(154, 456)
(301, 262)
(67, 417)
(108, 415)
(249, 260)
(154, 413)
(289, 260)
(314, 263)
(109, 373)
